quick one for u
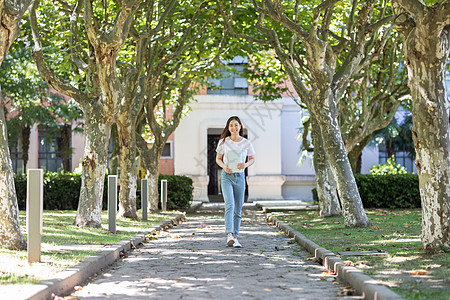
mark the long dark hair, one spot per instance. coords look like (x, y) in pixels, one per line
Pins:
(226, 132)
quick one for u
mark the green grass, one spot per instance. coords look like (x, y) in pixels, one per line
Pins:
(59, 236)
(395, 232)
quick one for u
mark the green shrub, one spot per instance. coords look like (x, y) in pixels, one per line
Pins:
(388, 168)
(62, 191)
(179, 191)
(387, 191)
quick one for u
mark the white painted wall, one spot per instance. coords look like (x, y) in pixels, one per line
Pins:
(263, 124)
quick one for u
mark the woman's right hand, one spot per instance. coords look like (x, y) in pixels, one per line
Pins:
(228, 170)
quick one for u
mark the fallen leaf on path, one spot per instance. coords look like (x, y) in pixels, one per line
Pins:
(329, 272)
(349, 263)
(419, 272)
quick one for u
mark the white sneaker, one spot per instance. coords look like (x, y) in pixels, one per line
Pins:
(230, 241)
(236, 243)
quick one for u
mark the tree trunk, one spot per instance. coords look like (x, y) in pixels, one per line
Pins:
(153, 174)
(64, 146)
(10, 235)
(95, 159)
(323, 108)
(128, 170)
(426, 59)
(325, 183)
(150, 162)
(355, 155)
(25, 145)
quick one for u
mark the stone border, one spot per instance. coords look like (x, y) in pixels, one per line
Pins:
(64, 281)
(366, 286)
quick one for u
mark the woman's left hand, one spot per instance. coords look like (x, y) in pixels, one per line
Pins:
(241, 166)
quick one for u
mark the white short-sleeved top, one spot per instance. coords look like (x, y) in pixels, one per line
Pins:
(235, 152)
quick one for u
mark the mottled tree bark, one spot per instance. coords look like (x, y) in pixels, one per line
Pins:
(325, 184)
(10, 235)
(150, 162)
(326, 116)
(11, 13)
(94, 165)
(354, 155)
(128, 171)
(426, 33)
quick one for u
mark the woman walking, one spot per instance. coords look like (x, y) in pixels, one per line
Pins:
(232, 151)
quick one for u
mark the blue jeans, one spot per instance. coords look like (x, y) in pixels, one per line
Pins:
(233, 190)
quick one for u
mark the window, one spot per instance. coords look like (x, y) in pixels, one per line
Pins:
(16, 155)
(167, 150)
(49, 151)
(231, 83)
(402, 157)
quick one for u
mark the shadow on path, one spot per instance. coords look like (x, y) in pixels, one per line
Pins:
(191, 261)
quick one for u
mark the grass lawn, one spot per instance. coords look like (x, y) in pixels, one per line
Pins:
(400, 262)
(64, 245)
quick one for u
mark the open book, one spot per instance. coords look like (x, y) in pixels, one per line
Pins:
(234, 157)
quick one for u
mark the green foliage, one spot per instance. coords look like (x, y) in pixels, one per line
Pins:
(387, 191)
(179, 191)
(388, 168)
(62, 191)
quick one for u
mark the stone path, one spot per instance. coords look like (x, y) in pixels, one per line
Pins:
(191, 261)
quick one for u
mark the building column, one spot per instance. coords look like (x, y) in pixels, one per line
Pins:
(265, 187)
(200, 184)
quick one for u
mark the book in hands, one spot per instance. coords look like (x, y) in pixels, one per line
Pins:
(234, 158)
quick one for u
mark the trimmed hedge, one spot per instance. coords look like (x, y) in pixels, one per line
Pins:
(62, 191)
(179, 191)
(387, 191)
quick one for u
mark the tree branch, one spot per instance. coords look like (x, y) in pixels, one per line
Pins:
(47, 74)
(73, 40)
(414, 7)
(231, 31)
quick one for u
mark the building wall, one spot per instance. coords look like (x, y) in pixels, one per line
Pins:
(263, 124)
(166, 163)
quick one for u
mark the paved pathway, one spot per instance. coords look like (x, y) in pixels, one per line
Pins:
(191, 261)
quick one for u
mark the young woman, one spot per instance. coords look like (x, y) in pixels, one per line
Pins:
(232, 151)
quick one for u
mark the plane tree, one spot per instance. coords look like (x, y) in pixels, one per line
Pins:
(426, 38)
(11, 13)
(76, 52)
(308, 42)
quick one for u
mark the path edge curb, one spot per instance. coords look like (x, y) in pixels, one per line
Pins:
(64, 281)
(366, 286)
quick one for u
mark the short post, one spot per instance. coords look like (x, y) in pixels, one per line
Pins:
(144, 200)
(164, 195)
(112, 202)
(35, 200)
